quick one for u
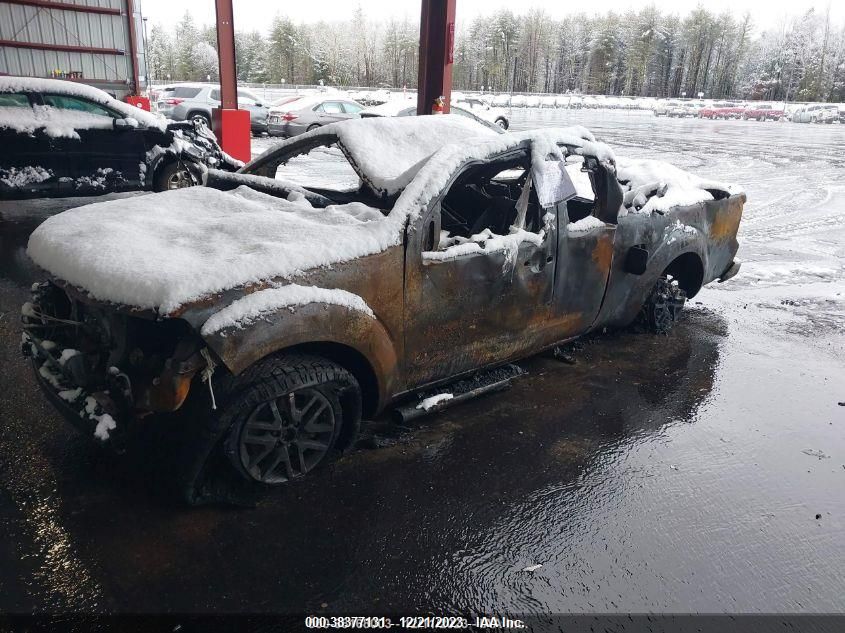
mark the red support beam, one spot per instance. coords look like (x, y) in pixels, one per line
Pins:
(66, 6)
(230, 125)
(437, 41)
(133, 46)
(69, 48)
(226, 51)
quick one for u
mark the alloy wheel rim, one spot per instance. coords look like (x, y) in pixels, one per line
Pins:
(286, 437)
(179, 179)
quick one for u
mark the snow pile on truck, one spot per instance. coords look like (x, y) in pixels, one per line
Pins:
(654, 185)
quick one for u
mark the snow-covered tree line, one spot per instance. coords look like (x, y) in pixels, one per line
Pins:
(644, 52)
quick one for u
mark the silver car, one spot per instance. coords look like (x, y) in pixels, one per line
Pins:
(816, 113)
(308, 113)
(194, 102)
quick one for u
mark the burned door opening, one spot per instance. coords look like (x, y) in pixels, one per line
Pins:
(477, 291)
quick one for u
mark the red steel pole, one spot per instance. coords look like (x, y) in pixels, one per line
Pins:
(226, 52)
(437, 42)
(133, 46)
(232, 126)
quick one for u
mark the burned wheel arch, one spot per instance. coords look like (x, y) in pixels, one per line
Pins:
(355, 341)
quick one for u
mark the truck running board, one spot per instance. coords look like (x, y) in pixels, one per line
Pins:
(446, 396)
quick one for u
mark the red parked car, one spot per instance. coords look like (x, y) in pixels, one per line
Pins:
(763, 112)
(722, 110)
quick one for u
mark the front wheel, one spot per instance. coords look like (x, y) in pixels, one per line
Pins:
(663, 306)
(291, 417)
(173, 175)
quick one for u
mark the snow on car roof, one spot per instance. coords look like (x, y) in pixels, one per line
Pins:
(75, 89)
(54, 122)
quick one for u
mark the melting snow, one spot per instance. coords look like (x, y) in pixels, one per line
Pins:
(584, 225)
(264, 302)
(432, 401)
(17, 177)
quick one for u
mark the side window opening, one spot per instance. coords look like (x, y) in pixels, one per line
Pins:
(482, 202)
(584, 202)
(323, 168)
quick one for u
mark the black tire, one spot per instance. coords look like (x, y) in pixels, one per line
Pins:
(312, 127)
(172, 175)
(502, 123)
(663, 307)
(200, 116)
(292, 414)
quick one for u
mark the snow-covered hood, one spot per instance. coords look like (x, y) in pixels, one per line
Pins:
(138, 252)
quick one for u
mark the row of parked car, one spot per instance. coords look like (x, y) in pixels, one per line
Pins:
(297, 113)
(812, 113)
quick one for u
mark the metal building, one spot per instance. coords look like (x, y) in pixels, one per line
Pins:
(97, 42)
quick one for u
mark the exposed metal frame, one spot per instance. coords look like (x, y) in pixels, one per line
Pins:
(66, 6)
(70, 48)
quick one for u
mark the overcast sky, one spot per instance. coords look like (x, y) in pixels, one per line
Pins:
(256, 14)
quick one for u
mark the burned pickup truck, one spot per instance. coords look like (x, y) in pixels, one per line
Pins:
(351, 268)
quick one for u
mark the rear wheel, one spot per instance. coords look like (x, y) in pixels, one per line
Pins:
(663, 306)
(291, 417)
(312, 127)
(199, 117)
(502, 123)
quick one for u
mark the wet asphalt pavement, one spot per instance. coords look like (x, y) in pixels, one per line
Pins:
(702, 472)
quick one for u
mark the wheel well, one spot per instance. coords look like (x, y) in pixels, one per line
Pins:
(354, 362)
(688, 269)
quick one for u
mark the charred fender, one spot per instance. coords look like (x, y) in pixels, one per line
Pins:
(354, 339)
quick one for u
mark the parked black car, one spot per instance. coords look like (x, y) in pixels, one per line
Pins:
(61, 138)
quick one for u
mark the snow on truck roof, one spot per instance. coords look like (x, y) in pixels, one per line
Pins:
(74, 89)
(387, 152)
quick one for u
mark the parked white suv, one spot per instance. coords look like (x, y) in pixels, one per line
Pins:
(194, 102)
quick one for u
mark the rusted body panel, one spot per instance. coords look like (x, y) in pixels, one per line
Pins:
(706, 230)
(377, 279)
(438, 317)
